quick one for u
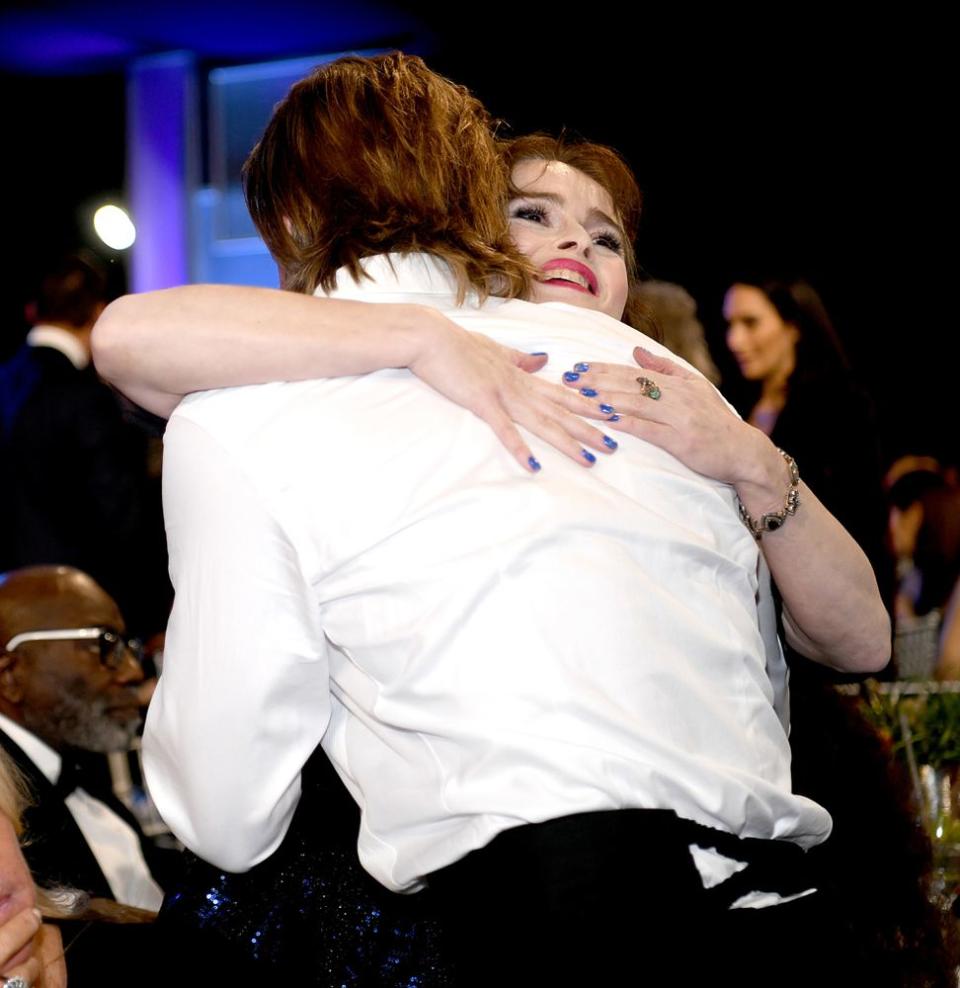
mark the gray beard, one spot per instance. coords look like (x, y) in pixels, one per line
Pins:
(83, 724)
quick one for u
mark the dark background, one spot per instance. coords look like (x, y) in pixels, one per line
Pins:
(788, 141)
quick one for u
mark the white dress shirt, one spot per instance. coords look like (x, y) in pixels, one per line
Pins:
(113, 843)
(359, 560)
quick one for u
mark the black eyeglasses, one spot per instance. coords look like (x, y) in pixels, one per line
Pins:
(113, 647)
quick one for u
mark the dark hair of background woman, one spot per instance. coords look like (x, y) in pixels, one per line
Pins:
(819, 352)
(828, 423)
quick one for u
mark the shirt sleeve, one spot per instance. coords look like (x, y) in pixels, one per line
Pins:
(776, 664)
(244, 695)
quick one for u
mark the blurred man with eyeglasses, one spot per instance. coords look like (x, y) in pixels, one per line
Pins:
(72, 684)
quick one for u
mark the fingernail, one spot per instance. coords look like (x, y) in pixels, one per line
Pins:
(39, 915)
(534, 464)
(614, 418)
(607, 409)
(582, 368)
(609, 443)
(571, 376)
(589, 392)
(539, 353)
(588, 456)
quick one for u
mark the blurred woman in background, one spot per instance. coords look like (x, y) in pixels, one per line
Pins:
(797, 387)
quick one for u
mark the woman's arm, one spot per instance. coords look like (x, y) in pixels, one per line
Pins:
(158, 346)
(833, 612)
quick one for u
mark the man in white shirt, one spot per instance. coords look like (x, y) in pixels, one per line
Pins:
(69, 686)
(482, 652)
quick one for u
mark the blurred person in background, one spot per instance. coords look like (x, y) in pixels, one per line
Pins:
(922, 537)
(71, 688)
(674, 313)
(49, 932)
(797, 387)
(75, 489)
(925, 529)
(29, 949)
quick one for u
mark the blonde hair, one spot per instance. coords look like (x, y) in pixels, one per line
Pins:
(367, 156)
(13, 792)
(54, 903)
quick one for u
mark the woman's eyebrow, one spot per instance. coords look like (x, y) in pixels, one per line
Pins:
(609, 220)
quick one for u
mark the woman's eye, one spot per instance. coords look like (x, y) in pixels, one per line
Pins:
(609, 240)
(536, 214)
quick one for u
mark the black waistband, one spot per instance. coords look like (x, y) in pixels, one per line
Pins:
(777, 866)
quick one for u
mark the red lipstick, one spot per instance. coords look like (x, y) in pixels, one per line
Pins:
(575, 266)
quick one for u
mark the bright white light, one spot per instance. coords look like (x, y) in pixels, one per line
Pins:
(114, 228)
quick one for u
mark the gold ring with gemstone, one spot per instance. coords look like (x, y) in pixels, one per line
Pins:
(648, 388)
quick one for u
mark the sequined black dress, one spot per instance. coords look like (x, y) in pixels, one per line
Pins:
(310, 912)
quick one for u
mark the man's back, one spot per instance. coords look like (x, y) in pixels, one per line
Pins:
(500, 648)
(64, 417)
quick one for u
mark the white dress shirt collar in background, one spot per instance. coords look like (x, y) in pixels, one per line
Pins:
(62, 340)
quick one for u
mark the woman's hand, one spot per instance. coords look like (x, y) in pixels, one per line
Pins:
(687, 418)
(53, 969)
(496, 383)
(821, 573)
(17, 945)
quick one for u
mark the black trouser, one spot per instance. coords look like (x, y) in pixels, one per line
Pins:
(614, 898)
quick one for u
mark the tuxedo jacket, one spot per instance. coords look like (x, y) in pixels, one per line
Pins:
(54, 846)
(75, 490)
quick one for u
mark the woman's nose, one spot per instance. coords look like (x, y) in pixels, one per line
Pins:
(574, 239)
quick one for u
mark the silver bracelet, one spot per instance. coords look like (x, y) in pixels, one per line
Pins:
(773, 520)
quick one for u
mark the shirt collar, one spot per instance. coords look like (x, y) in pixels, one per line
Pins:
(423, 274)
(60, 339)
(39, 752)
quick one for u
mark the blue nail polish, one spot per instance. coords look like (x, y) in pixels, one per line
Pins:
(588, 456)
(589, 392)
(609, 443)
(614, 418)
(582, 368)
(607, 409)
(534, 464)
(571, 376)
(539, 353)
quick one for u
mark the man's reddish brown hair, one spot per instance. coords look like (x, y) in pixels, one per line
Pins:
(372, 155)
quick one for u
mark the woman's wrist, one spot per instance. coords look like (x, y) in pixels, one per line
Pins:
(768, 481)
(414, 331)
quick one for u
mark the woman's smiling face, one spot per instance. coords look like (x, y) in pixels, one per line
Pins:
(566, 224)
(764, 346)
